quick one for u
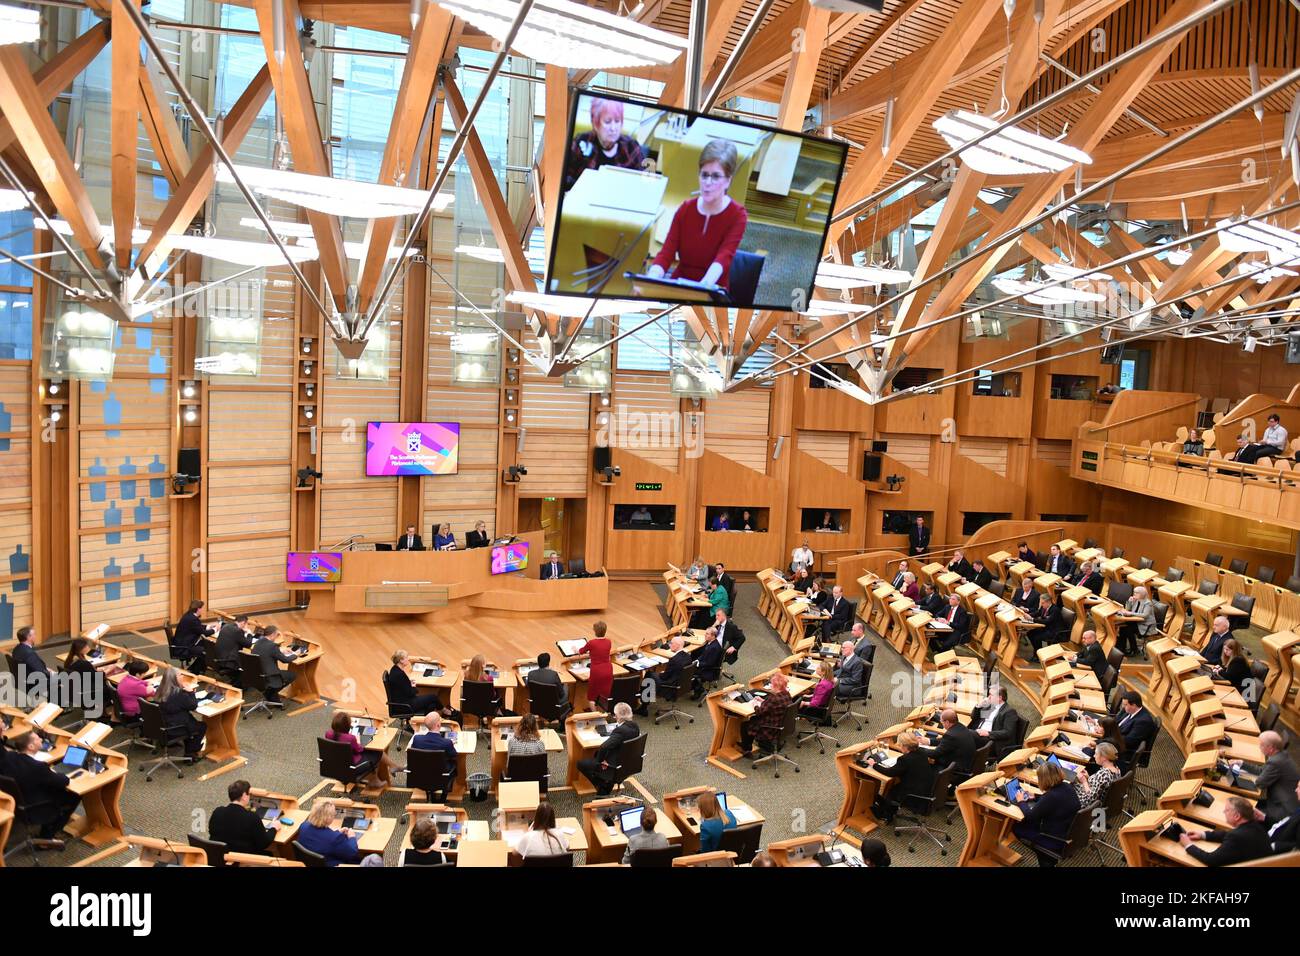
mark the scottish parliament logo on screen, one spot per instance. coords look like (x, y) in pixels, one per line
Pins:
(412, 448)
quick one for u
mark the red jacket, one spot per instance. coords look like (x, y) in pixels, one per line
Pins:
(696, 241)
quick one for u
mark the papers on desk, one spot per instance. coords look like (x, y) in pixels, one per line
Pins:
(643, 663)
(428, 670)
(1076, 753)
(939, 624)
(43, 714)
(580, 671)
(570, 648)
(1186, 652)
(526, 669)
(743, 814)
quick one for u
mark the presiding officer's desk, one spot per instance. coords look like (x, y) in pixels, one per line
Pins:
(605, 841)
(384, 585)
(682, 806)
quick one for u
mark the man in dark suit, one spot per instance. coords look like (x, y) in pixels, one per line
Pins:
(410, 541)
(671, 671)
(1088, 577)
(1220, 634)
(709, 658)
(932, 601)
(41, 784)
(1285, 834)
(1026, 597)
(1059, 563)
(862, 646)
(1247, 840)
(730, 636)
(840, 610)
(600, 768)
(957, 745)
(553, 568)
(959, 620)
(1025, 553)
(1092, 655)
(1135, 722)
(1277, 781)
(897, 581)
(431, 738)
(918, 537)
(238, 827)
(190, 632)
(959, 565)
(272, 656)
(996, 720)
(728, 582)
(28, 660)
(980, 576)
(231, 639)
(543, 673)
(851, 675)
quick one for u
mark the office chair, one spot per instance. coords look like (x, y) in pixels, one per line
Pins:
(1269, 717)
(1145, 564)
(1214, 559)
(631, 759)
(215, 849)
(521, 767)
(120, 720)
(742, 841)
(1120, 592)
(548, 860)
(1114, 809)
(1090, 543)
(334, 758)
(847, 699)
(305, 856)
(156, 733)
(1114, 659)
(400, 712)
(1238, 565)
(674, 692)
(1142, 760)
(742, 279)
(1117, 552)
(979, 762)
(816, 718)
(1062, 848)
(577, 566)
(430, 771)
(1207, 588)
(1161, 611)
(183, 654)
(1242, 602)
(660, 858)
(772, 749)
(544, 703)
(1265, 574)
(250, 666)
(23, 816)
(1109, 677)
(735, 641)
(478, 699)
(625, 689)
(1293, 584)
(1174, 574)
(933, 801)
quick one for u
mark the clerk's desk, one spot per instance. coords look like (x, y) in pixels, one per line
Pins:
(100, 820)
(605, 841)
(681, 806)
(383, 585)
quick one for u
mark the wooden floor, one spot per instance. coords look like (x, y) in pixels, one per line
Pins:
(356, 654)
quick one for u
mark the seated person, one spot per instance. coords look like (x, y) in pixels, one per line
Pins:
(544, 837)
(874, 853)
(1051, 614)
(669, 674)
(707, 228)
(238, 827)
(1026, 598)
(699, 570)
(444, 540)
(410, 541)
(478, 538)
(821, 693)
(840, 610)
(958, 619)
(177, 703)
(319, 835)
(432, 737)
(996, 720)
(802, 580)
(401, 691)
(543, 673)
(526, 741)
(131, 688)
(1274, 442)
(604, 144)
(1219, 636)
(424, 841)
(476, 672)
(910, 588)
(1089, 577)
(41, 784)
(747, 521)
(1135, 723)
(862, 645)
(234, 636)
(77, 660)
(708, 657)
(801, 557)
(980, 576)
(718, 601)
(818, 596)
(599, 769)
(1059, 563)
(1243, 451)
(1193, 444)
(647, 838)
(713, 820)
(1091, 655)
(932, 600)
(189, 639)
(959, 565)
(268, 650)
(641, 515)
(896, 582)
(1024, 553)
(722, 522)
(1091, 788)
(1047, 818)
(828, 523)
(1246, 840)
(956, 746)
(1285, 834)
(553, 568)
(765, 724)
(852, 672)
(1233, 666)
(376, 763)
(913, 777)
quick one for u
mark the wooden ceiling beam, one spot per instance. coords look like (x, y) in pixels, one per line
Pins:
(721, 14)
(53, 77)
(883, 32)
(124, 130)
(160, 123)
(768, 57)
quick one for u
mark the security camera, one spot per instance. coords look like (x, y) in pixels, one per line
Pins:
(512, 474)
(611, 472)
(305, 476)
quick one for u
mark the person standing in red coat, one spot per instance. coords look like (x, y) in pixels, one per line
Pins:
(599, 647)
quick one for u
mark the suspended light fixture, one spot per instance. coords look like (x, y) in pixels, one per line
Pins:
(573, 307)
(1061, 271)
(820, 308)
(1259, 236)
(1009, 152)
(12, 199)
(334, 197)
(297, 230)
(19, 24)
(354, 250)
(832, 275)
(483, 253)
(242, 253)
(1177, 257)
(63, 228)
(573, 35)
(1045, 295)
(1263, 276)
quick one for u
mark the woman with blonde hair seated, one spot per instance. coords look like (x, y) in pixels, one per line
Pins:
(319, 835)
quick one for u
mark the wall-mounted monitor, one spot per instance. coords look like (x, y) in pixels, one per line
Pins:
(400, 449)
(313, 567)
(665, 205)
(510, 557)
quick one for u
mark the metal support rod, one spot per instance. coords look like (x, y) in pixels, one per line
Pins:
(469, 302)
(18, 260)
(1094, 88)
(695, 53)
(453, 153)
(989, 246)
(137, 18)
(733, 59)
(624, 334)
(203, 288)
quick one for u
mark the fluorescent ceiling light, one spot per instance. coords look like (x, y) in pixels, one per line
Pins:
(282, 228)
(334, 197)
(1258, 236)
(1009, 152)
(138, 236)
(242, 253)
(570, 306)
(823, 307)
(353, 250)
(19, 24)
(1177, 257)
(573, 35)
(485, 253)
(1045, 295)
(831, 275)
(12, 199)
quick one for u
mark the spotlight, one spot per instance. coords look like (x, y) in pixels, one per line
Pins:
(510, 417)
(188, 390)
(306, 368)
(55, 386)
(513, 473)
(306, 475)
(309, 411)
(181, 481)
(604, 401)
(56, 413)
(311, 390)
(306, 345)
(191, 414)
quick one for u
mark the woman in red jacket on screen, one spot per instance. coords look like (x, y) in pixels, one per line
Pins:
(601, 680)
(706, 229)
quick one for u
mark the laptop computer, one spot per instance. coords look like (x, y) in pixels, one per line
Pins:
(380, 546)
(629, 821)
(74, 759)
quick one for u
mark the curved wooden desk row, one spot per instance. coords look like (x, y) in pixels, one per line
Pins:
(441, 585)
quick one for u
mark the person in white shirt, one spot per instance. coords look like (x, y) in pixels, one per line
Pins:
(801, 557)
(1274, 443)
(543, 838)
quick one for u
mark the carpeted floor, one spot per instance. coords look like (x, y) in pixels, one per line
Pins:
(282, 757)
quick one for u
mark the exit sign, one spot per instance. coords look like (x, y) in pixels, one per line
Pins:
(649, 486)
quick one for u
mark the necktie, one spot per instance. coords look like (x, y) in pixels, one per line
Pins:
(952, 612)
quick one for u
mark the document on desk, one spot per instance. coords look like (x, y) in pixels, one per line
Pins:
(570, 648)
(743, 814)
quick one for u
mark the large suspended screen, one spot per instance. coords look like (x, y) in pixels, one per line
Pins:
(671, 206)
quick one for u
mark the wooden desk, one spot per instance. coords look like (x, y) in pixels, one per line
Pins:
(988, 820)
(606, 842)
(466, 745)
(6, 821)
(452, 822)
(100, 820)
(154, 851)
(374, 839)
(681, 806)
(483, 853)
(1143, 846)
(583, 741)
(502, 729)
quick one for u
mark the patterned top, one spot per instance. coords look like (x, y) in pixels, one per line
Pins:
(585, 153)
(1098, 783)
(769, 716)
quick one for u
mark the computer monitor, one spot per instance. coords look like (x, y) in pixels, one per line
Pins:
(629, 821)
